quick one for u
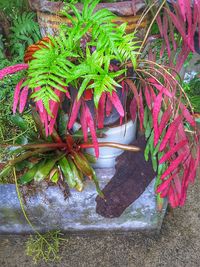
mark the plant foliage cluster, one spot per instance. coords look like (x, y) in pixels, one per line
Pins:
(19, 26)
(92, 56)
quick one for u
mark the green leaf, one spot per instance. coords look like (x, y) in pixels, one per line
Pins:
(67, 172)
(154, 163)
(146, 116)
(5, 172)
(45, 169)
(19, 121)
(77, 178)
(90, 158)
(55, 177)
(30, 174)
(146, 153)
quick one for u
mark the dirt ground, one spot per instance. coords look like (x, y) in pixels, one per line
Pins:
(178, 244)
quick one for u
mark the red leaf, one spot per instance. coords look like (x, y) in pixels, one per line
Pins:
(134, 90)
(116, 103)
(173, 199)
(165, 32)
(156, 110)
(165, 118)
(12, 69)
(172, 139)
(165, 184)
(101, 111)
(148, 97)
(133, 109)
(16, 95)
(160, 87)
(159, 22)
(74, 113)
(182, 8)
(162, 50)
(23, 98)
(172, 151)
(39, 103)
(108, 107)
(84, 123)
(153, 95)
(91, 125)
(187, 115)
(141, 110)
(53, 120)
(174, 125)
(174, 164)
(193, 166)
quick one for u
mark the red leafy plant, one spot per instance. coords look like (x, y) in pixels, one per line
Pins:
(87, 63)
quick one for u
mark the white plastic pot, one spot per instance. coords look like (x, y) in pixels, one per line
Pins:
(123, 134)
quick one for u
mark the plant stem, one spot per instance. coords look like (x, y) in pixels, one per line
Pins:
(50, 146)
(114, 145)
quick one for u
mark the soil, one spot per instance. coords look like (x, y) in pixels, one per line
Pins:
(133, 175)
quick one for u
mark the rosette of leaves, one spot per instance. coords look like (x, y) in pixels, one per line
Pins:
(56, 159)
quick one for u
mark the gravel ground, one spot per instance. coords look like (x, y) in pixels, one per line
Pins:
(178, 244)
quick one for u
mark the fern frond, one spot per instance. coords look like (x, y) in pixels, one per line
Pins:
(24, 32)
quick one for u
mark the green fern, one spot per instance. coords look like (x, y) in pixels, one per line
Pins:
(24, 32)
(81, 55)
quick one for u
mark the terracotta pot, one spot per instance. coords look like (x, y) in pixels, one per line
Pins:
(49, 18)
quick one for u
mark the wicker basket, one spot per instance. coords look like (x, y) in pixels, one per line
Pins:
(49, 18)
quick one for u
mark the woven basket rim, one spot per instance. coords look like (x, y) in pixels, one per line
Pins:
(126, 8)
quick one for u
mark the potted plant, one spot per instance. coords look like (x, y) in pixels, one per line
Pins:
(49, 15)
(92, 60)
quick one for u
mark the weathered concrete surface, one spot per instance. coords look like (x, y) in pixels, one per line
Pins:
(178, 244)
(47, 210)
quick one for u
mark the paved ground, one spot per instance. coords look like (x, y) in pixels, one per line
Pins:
(177, 245)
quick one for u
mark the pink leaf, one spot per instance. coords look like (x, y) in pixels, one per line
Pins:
(165, 118)
(178, 25)
(162, 50)
(165, 184)
(53, 120)
(74, 113)
(101, 111)
(182, 8)
(133, 109)
(134, 90)
(39, 103)
(153, 95)
(116, 103)
(160, 87)
(173, 199)
(172, 151)
(159, 22)
(16, 95)
(23, 98)
(108, 107)
(148, 97)
(156, 111)
(187, 115)
(174, 164)
(174, 125)
(12, 69)
(141, 110)
(90, 123)
(84, 123)
(165, 32)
